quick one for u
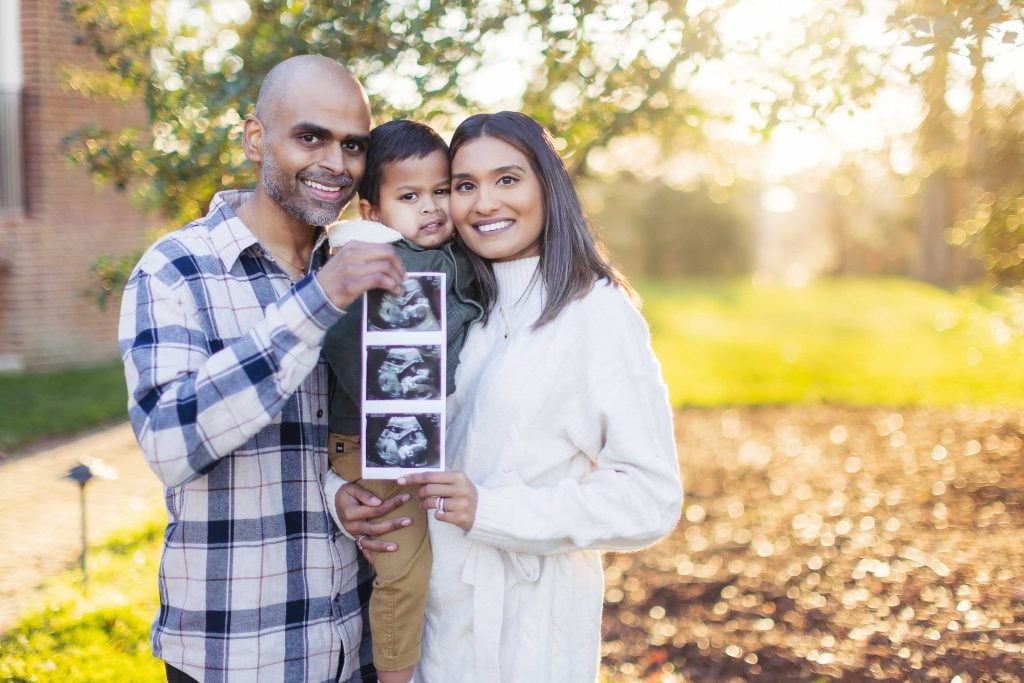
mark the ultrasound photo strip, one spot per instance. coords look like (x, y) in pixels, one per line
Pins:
(404, 364)
(397, 443)
(403, 372)
(420, 308)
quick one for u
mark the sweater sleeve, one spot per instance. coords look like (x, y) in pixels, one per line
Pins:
(614, 410)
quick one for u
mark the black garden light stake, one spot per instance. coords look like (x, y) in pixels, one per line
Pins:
(81, 474)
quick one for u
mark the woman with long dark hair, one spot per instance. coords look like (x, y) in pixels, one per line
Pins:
(559, 433)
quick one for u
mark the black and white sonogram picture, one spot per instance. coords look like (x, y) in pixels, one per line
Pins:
(406, 442)
(403, 372)
(417, 310)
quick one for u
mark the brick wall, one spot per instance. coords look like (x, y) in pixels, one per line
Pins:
(46, 318)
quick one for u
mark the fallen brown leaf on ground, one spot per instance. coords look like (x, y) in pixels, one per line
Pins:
(831, 544)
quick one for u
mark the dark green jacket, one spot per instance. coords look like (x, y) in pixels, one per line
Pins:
(343, 343)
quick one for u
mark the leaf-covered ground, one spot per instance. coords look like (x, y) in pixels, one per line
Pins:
(827, 543)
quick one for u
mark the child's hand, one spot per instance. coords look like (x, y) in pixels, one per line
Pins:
(451, 494)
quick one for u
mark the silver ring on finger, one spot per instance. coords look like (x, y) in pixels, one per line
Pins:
(440, 505)
(359, 541)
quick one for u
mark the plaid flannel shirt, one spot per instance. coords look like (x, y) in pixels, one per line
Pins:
(228, 399)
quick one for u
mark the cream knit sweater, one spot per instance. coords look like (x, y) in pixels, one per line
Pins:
(567, 433)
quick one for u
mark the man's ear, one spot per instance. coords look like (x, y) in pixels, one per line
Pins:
(368, 211)
(252, 139)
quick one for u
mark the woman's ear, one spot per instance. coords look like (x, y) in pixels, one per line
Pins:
(252, 139)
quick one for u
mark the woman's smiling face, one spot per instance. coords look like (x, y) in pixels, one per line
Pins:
(497, 200)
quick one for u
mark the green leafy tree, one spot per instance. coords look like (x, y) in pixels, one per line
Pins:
(991, 225)
(656, 231)
(954, 149)
(592, 70)
(601, 69)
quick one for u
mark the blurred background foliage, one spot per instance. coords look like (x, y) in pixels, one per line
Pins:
(715, 137)
(671, 233)
(198, 71)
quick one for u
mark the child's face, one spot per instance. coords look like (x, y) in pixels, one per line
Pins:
(414, 200)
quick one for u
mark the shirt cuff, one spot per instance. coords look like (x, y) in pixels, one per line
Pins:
(333, 484)
(490, 521)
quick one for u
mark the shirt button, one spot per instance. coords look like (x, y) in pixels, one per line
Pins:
(320, 412)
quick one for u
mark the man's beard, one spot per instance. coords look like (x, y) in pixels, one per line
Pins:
(309, 211)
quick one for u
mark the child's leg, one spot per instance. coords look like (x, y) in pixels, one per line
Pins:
(344, 455)
(399, 595)
(400, 676)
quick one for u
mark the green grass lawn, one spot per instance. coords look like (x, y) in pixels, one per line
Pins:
(37, 406)
(846, 341)
(93, 633)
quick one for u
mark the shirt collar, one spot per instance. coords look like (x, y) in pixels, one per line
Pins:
(230, 235)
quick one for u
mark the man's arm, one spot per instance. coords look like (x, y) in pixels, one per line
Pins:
(190, 405)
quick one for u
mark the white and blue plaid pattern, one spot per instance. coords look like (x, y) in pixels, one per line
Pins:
(228, 399)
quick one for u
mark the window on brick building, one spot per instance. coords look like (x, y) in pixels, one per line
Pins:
(12, 194)
(12, 167)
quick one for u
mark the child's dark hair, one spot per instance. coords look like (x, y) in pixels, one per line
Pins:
(393, 141)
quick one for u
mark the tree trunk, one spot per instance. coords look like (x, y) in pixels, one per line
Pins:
(935, 214)
(965, 268)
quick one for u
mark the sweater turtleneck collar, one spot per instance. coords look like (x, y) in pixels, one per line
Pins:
(513, 278)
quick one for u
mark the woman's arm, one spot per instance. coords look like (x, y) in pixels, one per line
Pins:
(629, 499)
(617, 414)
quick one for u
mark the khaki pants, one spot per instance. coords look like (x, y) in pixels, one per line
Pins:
(399, 595)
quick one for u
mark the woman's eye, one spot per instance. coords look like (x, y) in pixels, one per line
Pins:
(464, 186)
(507, 180)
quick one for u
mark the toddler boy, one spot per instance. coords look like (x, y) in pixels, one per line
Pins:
(403, 198)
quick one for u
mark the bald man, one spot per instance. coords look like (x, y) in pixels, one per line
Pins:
(221, 327)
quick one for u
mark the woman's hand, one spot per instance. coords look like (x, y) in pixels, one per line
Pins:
(450, 494)
(359, 511)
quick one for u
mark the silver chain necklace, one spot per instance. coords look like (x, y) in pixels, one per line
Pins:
(280, 260)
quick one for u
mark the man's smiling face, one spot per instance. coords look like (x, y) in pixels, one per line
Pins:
(314, 148)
